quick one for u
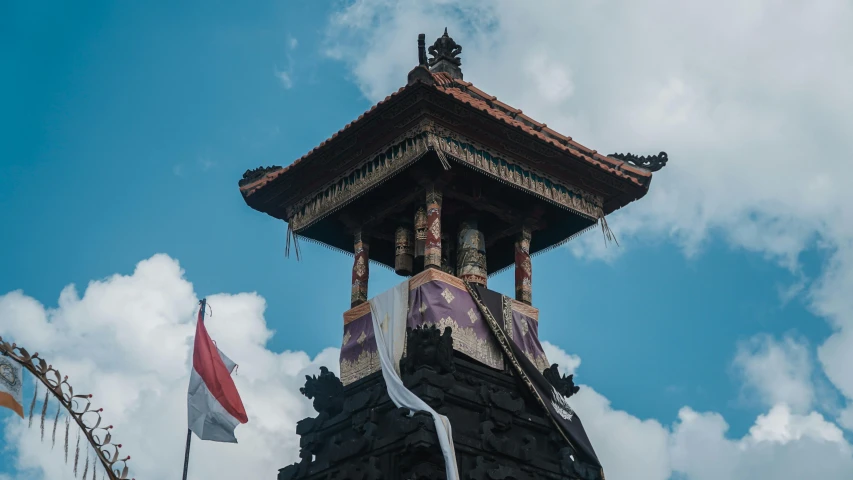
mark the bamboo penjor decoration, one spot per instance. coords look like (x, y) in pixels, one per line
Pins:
(78, 408)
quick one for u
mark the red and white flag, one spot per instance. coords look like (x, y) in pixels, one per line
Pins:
(214, 408)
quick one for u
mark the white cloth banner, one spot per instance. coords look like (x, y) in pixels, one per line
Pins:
(389, 311)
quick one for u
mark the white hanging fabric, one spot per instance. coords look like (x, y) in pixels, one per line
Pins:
(389, 311)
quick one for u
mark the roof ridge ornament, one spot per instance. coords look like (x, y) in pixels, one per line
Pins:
(445, 56)
(652, 163)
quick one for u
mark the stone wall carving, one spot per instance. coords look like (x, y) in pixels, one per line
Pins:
(499, 432)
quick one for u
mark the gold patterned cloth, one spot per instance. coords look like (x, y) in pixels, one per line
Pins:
(437, 298)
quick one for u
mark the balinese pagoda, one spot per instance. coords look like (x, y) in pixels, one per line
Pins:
(446, 185)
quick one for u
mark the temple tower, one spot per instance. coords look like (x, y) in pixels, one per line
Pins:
(446, 185)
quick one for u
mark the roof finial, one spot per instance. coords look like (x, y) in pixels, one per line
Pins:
(445, 56)
(422, 58)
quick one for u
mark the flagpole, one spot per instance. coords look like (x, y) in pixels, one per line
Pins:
(187, 453)
(190, 432)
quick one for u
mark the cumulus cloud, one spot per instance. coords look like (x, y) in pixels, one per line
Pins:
(781, 445)
(568, 363)
(128, 338)
(779, 372)
(751, 100)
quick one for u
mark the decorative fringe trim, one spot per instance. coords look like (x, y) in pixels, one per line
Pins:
(548, 249)
(346, 252)
(44, 412)
(86, 466)
(77, 454)
(67, 428)
(55, 424)
(431, 145)
(33, 404)
(295, 237)
(443, 159)
(609, 236)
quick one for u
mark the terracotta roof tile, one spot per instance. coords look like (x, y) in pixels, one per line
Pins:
(473, 96)
(515, 117)
(503, 106)
(481, 94)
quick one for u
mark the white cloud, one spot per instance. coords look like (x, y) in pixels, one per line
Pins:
(284, 78)
(628, 447)
(568, 363)
(751, 100)
(128, 341)
(779, 372)
(780, 445)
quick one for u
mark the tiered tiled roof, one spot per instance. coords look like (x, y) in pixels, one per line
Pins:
(469, 94)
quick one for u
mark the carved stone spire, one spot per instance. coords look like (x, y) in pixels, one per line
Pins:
(445, 56)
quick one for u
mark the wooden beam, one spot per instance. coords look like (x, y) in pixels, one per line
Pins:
(495, 207)
(392, 206)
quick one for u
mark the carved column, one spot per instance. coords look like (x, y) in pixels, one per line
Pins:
(420, 230)
(471, 254)
(523, 267)
(432, 248)
(404, 250)
(360, 269)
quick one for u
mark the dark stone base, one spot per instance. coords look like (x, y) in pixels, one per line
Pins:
(500, 433)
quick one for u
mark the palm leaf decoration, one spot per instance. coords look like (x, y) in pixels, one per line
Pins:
(79, 410)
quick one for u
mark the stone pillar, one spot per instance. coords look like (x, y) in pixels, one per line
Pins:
(404, 249)
(432, 248)
(523, 267)
(471, 254)
(360, 269)
(420, 231)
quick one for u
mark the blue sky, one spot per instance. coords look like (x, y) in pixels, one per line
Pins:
(126, 127)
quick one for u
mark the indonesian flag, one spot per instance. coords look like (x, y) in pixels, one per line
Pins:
(214, 407)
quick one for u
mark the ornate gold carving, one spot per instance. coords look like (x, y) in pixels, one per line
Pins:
(510, 171)
(435, 228)
(433, 195)
(412, 145)
(465, 340)
(508, 320)
(526, 266)
(355, 182)
(503, 342)
(366, 363)
(360, 269)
